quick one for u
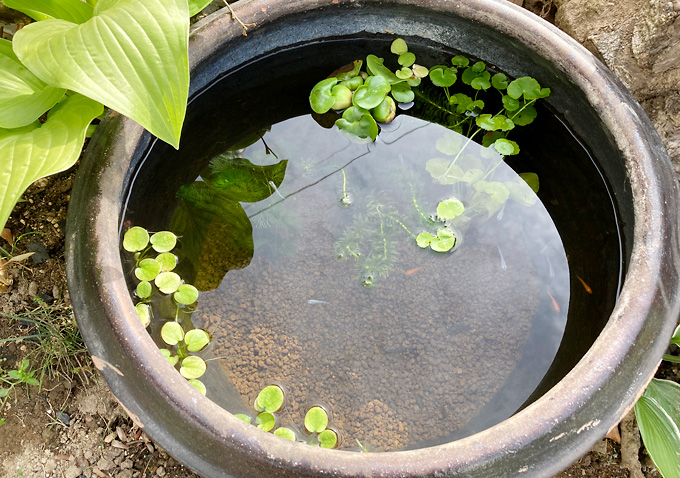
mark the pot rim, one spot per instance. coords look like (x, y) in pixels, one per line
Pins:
(561, 418)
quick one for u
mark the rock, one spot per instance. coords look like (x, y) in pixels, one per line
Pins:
(40, 253)
(33, 289)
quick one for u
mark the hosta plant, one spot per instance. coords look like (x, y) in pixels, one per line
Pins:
(59, 72)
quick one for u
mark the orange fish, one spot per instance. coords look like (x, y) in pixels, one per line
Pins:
(413, 271)
(556, 306)
(585, 286)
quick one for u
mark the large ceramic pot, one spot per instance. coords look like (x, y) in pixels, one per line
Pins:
(566, 419)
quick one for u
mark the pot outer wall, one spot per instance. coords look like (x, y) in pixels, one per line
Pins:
(540, 440)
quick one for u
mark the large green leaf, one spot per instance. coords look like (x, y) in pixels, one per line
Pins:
(658, 416)
(74, 11)
(23, 97)
(131, 56)
(36, 151)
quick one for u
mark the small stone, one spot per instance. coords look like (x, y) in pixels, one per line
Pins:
(160, 471)
(33, 289)
(40, 253)
(64, 418)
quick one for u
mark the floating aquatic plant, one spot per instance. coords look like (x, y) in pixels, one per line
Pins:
(155, 276)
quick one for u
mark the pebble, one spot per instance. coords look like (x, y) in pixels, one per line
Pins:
(33, 289)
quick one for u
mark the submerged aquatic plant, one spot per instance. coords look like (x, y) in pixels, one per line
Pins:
(270, 401)
(368, 97)
(154, 268)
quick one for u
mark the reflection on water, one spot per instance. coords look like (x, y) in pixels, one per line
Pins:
(407, 347)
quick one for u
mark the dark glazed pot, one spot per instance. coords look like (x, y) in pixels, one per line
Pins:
(540, 440)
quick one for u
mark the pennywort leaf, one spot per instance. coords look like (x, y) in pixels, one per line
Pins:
(172, 333)
(192, 367)
(196, 340)
(321, 98)
(36, 151)
(135, 239)
(270, 399)
(131, 56)
(316, 420)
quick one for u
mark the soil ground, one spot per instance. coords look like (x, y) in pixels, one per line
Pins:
(70, 425)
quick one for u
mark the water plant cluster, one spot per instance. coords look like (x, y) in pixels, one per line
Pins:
(369, 97)
(269, 402)
(155, 266)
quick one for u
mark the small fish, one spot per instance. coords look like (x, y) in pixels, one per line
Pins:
(504, 266)
(556, 306)
(414, 270)
(314, 301)
(585, 286)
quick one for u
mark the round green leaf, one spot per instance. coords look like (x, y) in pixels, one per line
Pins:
(163, 241)
(196, 340)
(471, 73)
(478, 67)
(168, 355)
(413, 82)
(186, 294)
(172, 333)
(450, 208)
(407, 59)
(506, 147)
(328, 438)
(352, 83)
(135, 239)
(167, 282)
(375, 67)
(525, 116)
(419, 71)
(198, 385)
(270, 399)
(460, 61)
(265, 421)
(480, 83)
(385, 111)
(525, 86)
(399, 46)
(358, 122)
(532, 180)
(147, 269)
(242, 417)
(144, 290)
(168, 261)
(404, 73)
(444, 241)
(144, 314)
(321, 98)
(510, 103)
(372, 92)
(286, 433)
(424, 239)
(402, 93)
(316, 420)
(494, 123)
(342, 96)
(443, 77)
(192, 367)
(499, 81)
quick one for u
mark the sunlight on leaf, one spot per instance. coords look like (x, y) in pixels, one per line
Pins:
(126, 57)
(316, 420)
(74, 11)
(35, 151)
(23, 96)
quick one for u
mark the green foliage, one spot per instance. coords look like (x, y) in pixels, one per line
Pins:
(373, 99)
(658, 416)
(130, 55)
(270, 401)
(316, 420)
(37, 150)
(137, 240)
